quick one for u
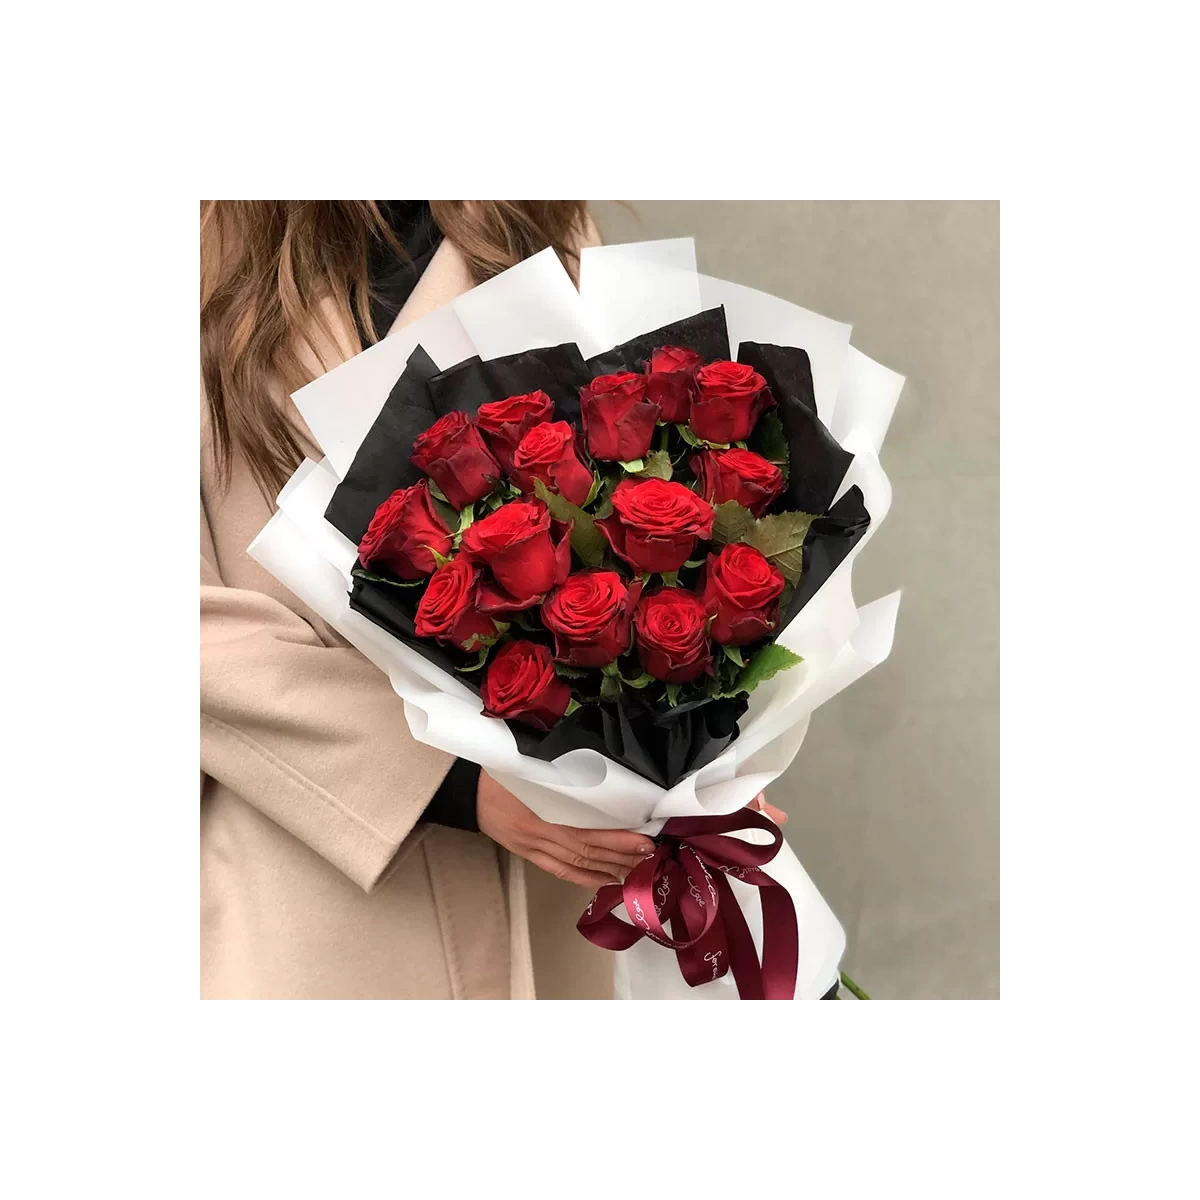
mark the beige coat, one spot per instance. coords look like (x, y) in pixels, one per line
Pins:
(317, 878)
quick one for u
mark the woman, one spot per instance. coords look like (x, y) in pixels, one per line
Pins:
(341, 858)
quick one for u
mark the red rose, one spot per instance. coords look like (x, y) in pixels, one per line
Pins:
(402, 533)
(729, 400)
(451, 452)
(515, 542)
(741, 591)
(547, 452)
(505, 422)
(670, 381)
(520, 684)
(672, 635)
(655, 524)
(448, 610)
(739, 475)
(618, 420)
(590, 617)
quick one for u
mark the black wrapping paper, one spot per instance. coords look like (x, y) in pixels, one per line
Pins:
(818, 464)
(381, 464)
(661, 746)
(706, 333)
(559, 371)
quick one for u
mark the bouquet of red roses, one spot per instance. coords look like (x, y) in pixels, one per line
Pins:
(632, 549)
(578, 563)
(615, 574)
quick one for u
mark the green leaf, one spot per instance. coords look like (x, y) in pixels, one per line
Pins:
(780, 538)
(688, 436)
(769, 440)
(732, 524)
(363, 573)
(495, 500)
(657, 466)
(586, 540)
(612, 669)
(670, 578)
(437, 493)
(633, 466)
(673, 693)
(734, 655)
(695, 562)
(605, 509)
(466, 519)
(483, 654)
(610, 687)
(566, 672)
(768, 662)
(573, 705)
(643, 680)
(594, 490)
(440, 559)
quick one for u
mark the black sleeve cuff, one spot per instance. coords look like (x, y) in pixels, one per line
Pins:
(453, 804)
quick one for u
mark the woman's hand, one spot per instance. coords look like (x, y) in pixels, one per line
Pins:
(759, 804)
(590, 857)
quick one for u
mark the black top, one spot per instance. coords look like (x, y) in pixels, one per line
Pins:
(392, 279)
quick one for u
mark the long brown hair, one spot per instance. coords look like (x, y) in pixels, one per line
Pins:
(267, 265)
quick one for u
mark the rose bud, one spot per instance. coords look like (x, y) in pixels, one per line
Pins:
(618, 420)
(672, 635)
(547, 452)
(515, 542)
(590, 617)
(448, 612)
(730, 397)
(452, 453)
(670, 383)
(520, 684)
(741, 592)
(739, 475)
(654, 524)
(505, 422)
(403, 532)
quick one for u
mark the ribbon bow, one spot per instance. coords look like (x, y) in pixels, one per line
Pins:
(708, 930)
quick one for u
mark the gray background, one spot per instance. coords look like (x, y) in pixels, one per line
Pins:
(894, 798)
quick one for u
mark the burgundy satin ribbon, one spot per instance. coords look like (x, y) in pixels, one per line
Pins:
(675, 887)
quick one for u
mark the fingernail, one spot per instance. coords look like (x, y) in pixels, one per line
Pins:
(647, 851)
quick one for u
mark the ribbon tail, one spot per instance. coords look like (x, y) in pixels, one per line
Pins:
(781, 942)
(743, 958)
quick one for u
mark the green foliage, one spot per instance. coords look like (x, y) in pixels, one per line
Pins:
(586, 539)
(657, 466)
(673, 693)
(483, 654)
(769, 440)
(363, 573)
(440, 559)
(566, 672)
(688, 436)
(732, 524)
(766, 664)
(734, 654)
(780, 538)
(633, 466)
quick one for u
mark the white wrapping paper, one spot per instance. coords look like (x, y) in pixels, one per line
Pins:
(624, 290)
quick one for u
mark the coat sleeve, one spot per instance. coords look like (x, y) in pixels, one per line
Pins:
(310, 734)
